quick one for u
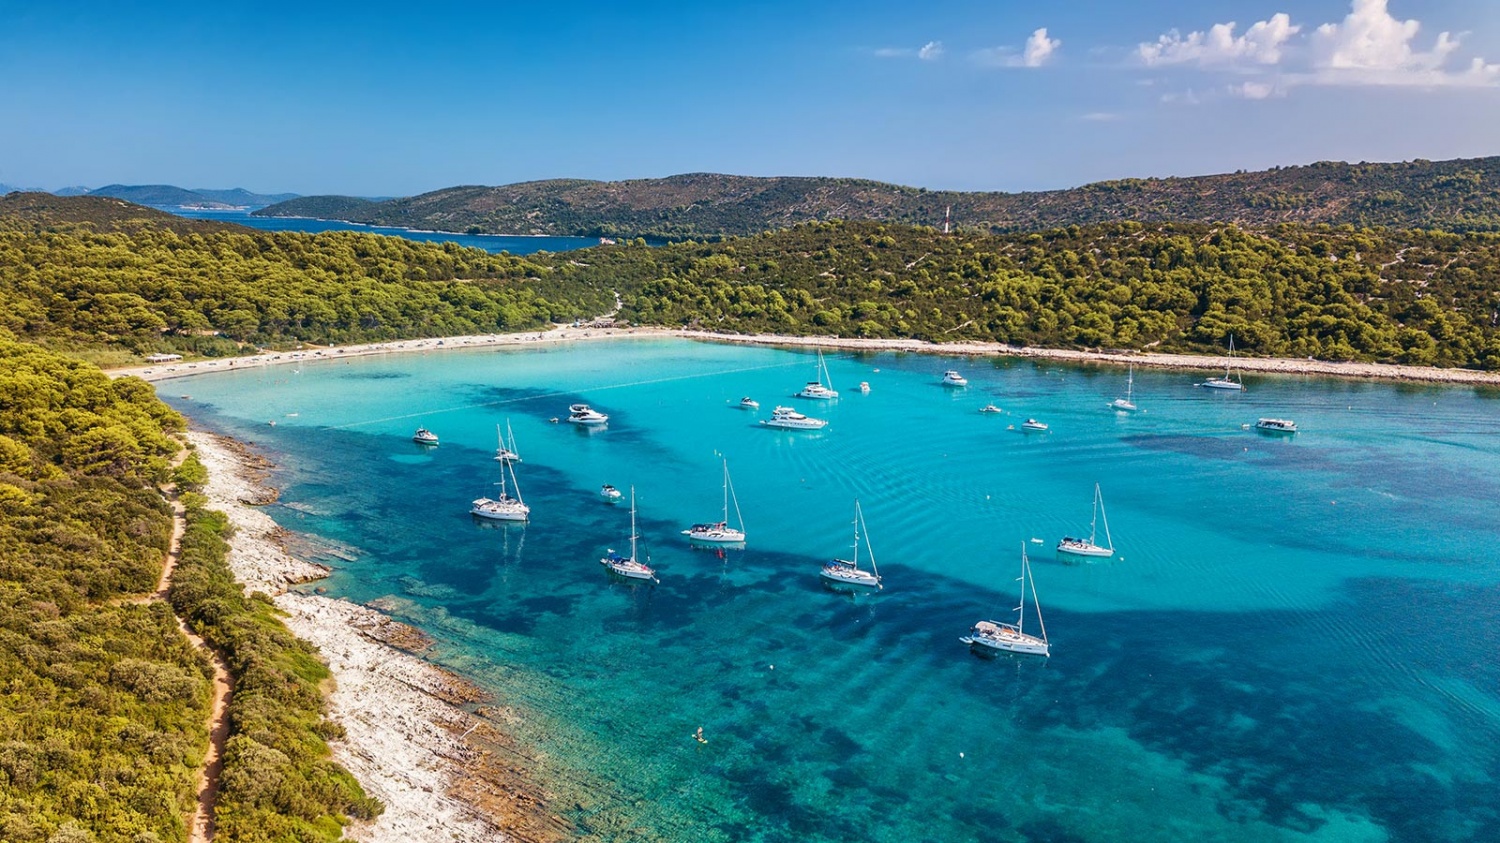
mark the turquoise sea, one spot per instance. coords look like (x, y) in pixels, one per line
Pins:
(487, 242)
(1298, 641)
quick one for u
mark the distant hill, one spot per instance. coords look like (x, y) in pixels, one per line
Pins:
(1459, 195)
(10, 188)
(37, 211)
(78, 190)
(348, 208)
(166, 194)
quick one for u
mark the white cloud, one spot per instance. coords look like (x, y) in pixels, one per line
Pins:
(1039, 48)
(1261, 44)
(1037, 51)
(1369, 46)
(931, 51)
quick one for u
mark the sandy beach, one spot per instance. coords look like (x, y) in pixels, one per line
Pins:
(442, 772)
(1191, 362)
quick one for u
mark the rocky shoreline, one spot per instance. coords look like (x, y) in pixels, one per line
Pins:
(443, 771)
(1196, 362)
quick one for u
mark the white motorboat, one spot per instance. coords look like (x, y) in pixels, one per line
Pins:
(1126, 404)
(999, 637)
(787, 418)
(1226, 382)
(503, 507)
(748, 403)
(1276, 426)
(586, 415)
(423, 436)
(506, 450)
(822, 386)
(864, 387)
(847, 572)
(1089, 546)
(990, 408)
(1033, 426)
(720, 532)
(629, 567)
(610, 493)
(952, 378)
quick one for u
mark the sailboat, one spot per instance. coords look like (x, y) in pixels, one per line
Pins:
(720, 532)
(996, 636)
(1088, 547)
(506, 451)
(1225, 382)
(504, 507)
(847, 571)
(817, 388)
(1126, 404)
(629, 567)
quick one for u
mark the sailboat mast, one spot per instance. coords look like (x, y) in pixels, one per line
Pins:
(510, 467)
(1098, 495)
(869, 548)
(1034, 601)
(730, 495)
(1021, 609)
(1130, 384)
(856, 533)
(726, 490)
(632, 524)
(1094, 516)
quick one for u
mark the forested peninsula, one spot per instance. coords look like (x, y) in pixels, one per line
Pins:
(1457, 195)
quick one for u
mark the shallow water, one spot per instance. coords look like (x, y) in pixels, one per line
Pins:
(1296, 640)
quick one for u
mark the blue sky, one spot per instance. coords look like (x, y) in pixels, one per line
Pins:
(376, 99)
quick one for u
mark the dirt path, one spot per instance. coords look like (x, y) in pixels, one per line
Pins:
(201, 828)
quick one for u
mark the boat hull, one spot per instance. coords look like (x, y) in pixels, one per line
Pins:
(1122, 405)
(627, 570)
(500, 515)
(1024, 645)
(810, 424)
(1084, 549)
(853, 581)
(1228, 386)
(715, 536)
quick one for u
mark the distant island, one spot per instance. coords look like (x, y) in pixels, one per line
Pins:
(1459, 195)
(200, 198)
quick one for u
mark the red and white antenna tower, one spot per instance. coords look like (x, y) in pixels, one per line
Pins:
(947, 219)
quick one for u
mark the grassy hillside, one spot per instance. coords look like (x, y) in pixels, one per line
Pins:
(1458, 195)
(1330, 293)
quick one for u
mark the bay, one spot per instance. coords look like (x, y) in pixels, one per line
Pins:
(487, 242)
(1296, 641)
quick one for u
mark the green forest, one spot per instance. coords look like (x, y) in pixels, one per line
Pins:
(1333, 293)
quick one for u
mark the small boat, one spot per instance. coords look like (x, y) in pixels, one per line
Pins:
(720, 532)
(990, 408)
(1126, 404)
(1276, 426)
(609, 493)
(952, 378)
(864, 387)
(1226, 382)
(629, 567)
(787, 418)
(1033, 426)
(748, 403)
(1088, 547)
(503, 507)
(423, 436)
(506, 451)
(998, 637)
(586, 415)
(817, 388)
(847, 571)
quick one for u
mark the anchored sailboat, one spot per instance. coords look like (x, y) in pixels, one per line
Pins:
(847, 571)
(818, 388)
(629, 567)
(1225, 382)
(1126, 404)
(721, 532)
(1088, 546)
(996, 636)
(506, 450)
(504, 507)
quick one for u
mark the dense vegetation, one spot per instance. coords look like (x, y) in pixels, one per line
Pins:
(278, 781)
(96, 273)
(102, 701)
(1458, 195)
(1342, 294)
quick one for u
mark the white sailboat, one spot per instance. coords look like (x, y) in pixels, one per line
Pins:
(847, 571)
(1225, 382)
(996, 636)
(1088, 547)
(720, 532)
(1126, 404)
(629, 567)
(504, 507)
(818, 388)
(506, 450)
